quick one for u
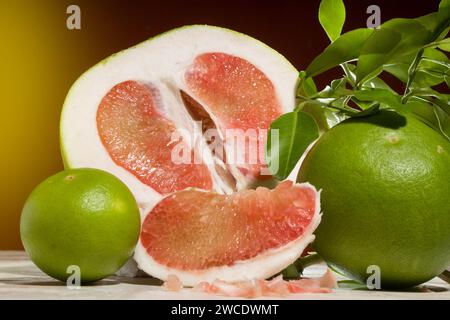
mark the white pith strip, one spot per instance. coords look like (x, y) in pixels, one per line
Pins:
(260, 267)
(192, 133)
(241, 182)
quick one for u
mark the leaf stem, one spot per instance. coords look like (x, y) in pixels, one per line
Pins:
(441, 63)
(412, 71)
(436, 44)
(347, 111)
(350, 77)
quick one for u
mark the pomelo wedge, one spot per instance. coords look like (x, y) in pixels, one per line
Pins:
(122, 115)
(251, 234)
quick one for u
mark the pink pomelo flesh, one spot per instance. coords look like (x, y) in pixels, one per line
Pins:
(196, 230)
(276, 287)
(138, 138)
(236, 93)
(233, 94)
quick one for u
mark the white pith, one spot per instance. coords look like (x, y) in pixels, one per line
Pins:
(161, 61)
(261, 267)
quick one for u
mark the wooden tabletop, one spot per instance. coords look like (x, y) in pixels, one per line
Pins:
(21, 279)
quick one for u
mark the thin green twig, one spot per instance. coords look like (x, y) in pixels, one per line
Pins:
(349, 75)
(412, 71)
(435, 106)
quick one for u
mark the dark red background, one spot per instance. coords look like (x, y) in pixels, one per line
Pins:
(291, 27)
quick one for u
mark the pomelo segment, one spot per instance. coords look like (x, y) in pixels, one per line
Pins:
(236, 92)
(118, 115)
(138, 138)
(256, 288)
(252, 234)
(276, 287)
(237, 95)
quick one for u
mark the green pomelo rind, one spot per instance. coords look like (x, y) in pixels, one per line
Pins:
(385, 198)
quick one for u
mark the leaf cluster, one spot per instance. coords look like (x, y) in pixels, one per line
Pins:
(414, 51)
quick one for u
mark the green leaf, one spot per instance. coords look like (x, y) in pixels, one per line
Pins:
(422, 110)
(444, 12)
(345, 48)
(428, 113)
(437, 23)
(296, 131)
(430, 93)
(429, 73)
(372, 83)
(324, 116)
(436, 117)
(351, 285)
(429, 21)
(337, 89)
(438, 29)
(372, 109)
(399, 70)
(436, 55)
(291, 272)
(377, 83)
(444, 45)
(395, 39)
(332, 17)
(443, 120)
(377, 51)
(414, 35)
(442, 22)
(433, 69)
(384, 96)
(306, 86)
(399, 67)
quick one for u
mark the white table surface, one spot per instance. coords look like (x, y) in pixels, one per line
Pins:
(21, 279)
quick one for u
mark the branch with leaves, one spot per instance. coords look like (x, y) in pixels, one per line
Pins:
(412, 50)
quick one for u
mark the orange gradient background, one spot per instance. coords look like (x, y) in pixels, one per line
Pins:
(40, 59)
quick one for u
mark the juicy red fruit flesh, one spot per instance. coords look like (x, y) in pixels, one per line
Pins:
(138, 138)
(239, 95)
(194, 230)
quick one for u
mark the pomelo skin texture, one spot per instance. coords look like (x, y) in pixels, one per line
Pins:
(83, 217)
(385, 199)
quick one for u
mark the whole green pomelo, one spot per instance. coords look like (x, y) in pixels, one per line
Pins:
(385, 199)
(82, 217)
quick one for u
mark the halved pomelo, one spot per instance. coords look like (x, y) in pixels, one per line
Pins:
(132, 112)
(251, 234)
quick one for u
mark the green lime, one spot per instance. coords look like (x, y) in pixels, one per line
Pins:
(385, 199)
(85, 218)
